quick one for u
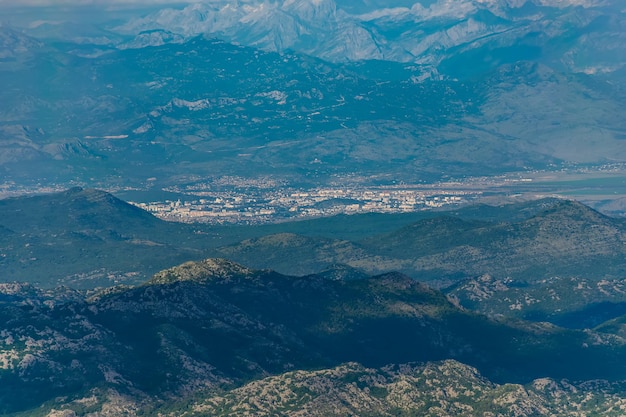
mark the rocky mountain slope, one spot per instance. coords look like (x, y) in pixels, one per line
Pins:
(436, 34)
(446, 388)
(570, 301)
(214, 325)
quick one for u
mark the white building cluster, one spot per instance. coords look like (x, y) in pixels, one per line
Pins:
(264, 205)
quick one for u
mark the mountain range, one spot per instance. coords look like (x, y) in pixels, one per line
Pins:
(557, 241)
(232, 339)
(482, 310)
(546, 260)
(214, 325)
(434, 34)
(351, 93)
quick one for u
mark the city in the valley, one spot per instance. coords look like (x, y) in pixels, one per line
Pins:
(231, 199)
(267, 199)
(262, 205)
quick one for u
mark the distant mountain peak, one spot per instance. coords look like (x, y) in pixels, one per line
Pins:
(572, 210)
(396, 281)
(311, 10)
(96, 208)
(75, 231)
(14, 43)
(426, 32)
(202, 271)
(77, 203)
(342, 272)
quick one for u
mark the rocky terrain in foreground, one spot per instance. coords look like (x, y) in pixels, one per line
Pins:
(445, 388)
(215, 326)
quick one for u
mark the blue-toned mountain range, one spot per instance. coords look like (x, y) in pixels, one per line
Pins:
(311, 92)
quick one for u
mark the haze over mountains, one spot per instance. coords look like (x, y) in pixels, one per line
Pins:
(467, 310)
(433, 33)
(363, 93)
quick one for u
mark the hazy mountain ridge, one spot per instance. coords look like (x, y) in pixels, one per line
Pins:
(86, 238)
(146, 113)
(295, 253)
(538, 249)
(217, 331)
(549, 260)
(564, 264)
(13, 44)
(209, 108)
(567, 239)
(421, 34)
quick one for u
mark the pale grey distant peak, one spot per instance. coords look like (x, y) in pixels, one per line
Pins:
(424, 32)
